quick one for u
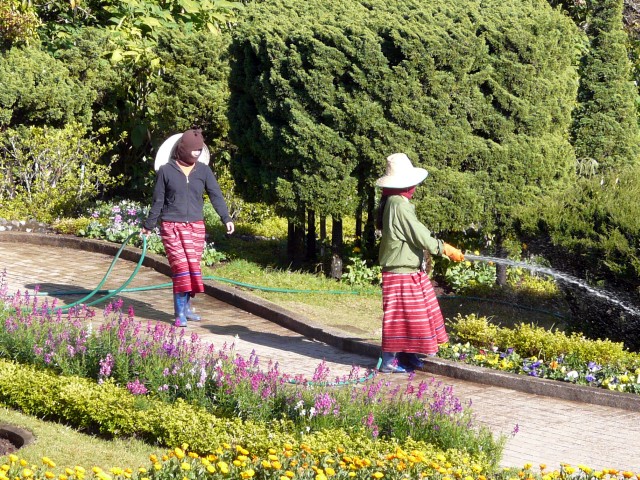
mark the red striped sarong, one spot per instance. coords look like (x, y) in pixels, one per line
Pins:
(184, 244)
(412, 320)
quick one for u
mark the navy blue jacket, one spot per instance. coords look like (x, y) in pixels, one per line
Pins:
(178, 198)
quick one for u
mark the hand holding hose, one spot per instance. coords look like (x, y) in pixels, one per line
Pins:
(453, 253)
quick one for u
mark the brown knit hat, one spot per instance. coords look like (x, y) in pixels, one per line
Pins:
(191, 140)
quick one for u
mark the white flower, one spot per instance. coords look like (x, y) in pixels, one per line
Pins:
(572, 375)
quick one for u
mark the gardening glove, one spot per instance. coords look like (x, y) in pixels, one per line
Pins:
(453, 253)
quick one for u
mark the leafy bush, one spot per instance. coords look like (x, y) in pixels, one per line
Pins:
(51, 172)
(39, 90)
(18, 23)
(360, 274)
(531, 341)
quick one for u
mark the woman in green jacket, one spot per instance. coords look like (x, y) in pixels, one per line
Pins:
(412, 323)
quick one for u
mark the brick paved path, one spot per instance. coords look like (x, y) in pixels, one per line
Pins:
(551, 431)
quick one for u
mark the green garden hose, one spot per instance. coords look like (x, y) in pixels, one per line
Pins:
(110, 293)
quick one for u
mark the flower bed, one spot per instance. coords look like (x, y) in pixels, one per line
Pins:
(166, 363)
(536, 352)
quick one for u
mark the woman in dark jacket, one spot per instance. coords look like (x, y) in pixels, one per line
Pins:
(178, 202)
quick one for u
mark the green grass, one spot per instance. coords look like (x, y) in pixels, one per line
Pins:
(68, 448)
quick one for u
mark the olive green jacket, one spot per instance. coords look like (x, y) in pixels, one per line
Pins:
(404, 238)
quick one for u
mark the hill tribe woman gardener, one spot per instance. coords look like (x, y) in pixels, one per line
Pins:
(183, 177)
(412, 323)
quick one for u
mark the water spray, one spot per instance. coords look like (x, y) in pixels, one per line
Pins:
(600, 293)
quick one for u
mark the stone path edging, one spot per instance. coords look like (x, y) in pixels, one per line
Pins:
(338, 338)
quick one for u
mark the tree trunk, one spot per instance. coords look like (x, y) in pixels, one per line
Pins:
(359, 225)
(295, 244)
(370, 225)
(501, 269)
(311, 236)
(323, 235)
(336, 248)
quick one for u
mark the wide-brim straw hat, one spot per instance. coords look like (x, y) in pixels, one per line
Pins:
(168, 148)
(401, 173)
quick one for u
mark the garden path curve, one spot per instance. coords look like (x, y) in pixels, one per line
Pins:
(550, 430)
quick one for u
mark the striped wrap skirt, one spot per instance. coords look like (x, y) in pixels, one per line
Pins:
(412, 320)
(184, 244)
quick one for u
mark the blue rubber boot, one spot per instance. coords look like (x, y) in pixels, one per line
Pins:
(412, 360)
(179, 306)
(390, 363)
(189, 313)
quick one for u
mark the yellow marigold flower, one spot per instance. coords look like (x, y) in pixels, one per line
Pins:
(63, 477)
(247, 473)
(289, 474)
(48, 462)
(527, 466)
(49, 474)
(242, 458)
(153, 458)
(321, 476)
(103, 476)
(329, 471)
(157, 466)
(194, 455)
(288, 446)
(276, 464)
(185, 466)
(81, 470)
(542, 466)
(266, 464)
(142, 470)
(237, 463)
(340, 450)
(96, 470)
(351, 474)
(13, 458)
(178, 453)
(205, 461)
(211, 469)
(68, 471)
(165, 458)
(114, 470)
(224, 468)
(627, 474)
(26, 473)
(377, 475)
(23, 462)
(546, 477)
(242, 450)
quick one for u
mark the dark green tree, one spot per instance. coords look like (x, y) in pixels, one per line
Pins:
(480, 94)
(606, 124)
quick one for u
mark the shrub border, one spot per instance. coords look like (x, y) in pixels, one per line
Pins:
(339, 339)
